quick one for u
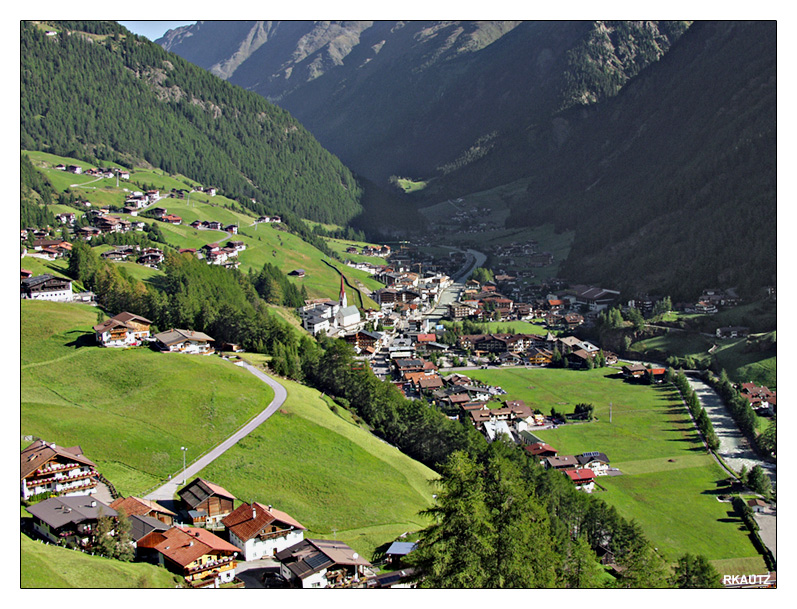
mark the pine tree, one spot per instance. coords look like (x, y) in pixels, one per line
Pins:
(694, 572)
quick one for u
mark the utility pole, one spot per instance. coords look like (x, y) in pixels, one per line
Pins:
(183, 448)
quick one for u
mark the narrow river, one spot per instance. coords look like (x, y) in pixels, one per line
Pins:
(734, 448)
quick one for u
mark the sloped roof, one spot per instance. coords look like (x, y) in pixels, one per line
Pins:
(312, 555)
(40, 452)
(121, 319)
(144, 525)
(184, 545)
(177, 336)
(580, 475)
(59, 511)
(135, 506)
(200, 489)
(245, 527)
(400, 548)
(585, 458)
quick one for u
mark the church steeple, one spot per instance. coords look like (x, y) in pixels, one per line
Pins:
(343, 302)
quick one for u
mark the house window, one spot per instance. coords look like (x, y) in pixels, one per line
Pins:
(315, 585)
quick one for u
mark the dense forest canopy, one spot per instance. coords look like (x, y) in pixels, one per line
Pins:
(97, 92)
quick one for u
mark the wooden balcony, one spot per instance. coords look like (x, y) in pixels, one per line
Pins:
(213, 564)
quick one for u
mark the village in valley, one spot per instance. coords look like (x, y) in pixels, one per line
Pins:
(419, 337)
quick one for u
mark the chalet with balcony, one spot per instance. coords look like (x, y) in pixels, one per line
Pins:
(205, 502)
(205, 560)
(49, 468)
(363, 340)
(184, 341)
(260, 531)
(135, 506)
(597, 462)
(46, 287)
(74, 520)
(122, 330)
(322, 563)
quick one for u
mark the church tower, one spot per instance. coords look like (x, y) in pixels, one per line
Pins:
(343, 302)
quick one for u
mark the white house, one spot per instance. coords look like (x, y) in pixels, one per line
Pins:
(321, 563)
(46, 287)
(261, 531)
(184, 341)
(122, 330)
(595, 461)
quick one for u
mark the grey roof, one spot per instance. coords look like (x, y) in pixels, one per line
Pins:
(177, 336)
(585, 458)
(34, 281)
(143, 525)
(400, 548)
(60, 511)
(198, 490)
(350, 310)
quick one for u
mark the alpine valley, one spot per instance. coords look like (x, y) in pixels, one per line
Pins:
(370, 304)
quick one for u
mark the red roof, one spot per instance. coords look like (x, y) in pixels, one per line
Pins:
(580, 475)
(185, 545)
(427, 338)
(245, 526)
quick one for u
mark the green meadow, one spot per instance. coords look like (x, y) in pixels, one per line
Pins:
(519, 327)
(47, 566)
(129, 409)
(669, 484)
(264, 242)
(328, 472)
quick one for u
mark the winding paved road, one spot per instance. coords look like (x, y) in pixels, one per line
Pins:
(168, 490)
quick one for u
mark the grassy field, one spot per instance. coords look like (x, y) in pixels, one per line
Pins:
(130, 410)
(669, 483)
(340, 246)
(520, 327)
(48, 566)
(731, 355)
(265, 243)
(330, 474)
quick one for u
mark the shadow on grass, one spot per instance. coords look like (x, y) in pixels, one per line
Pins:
(82, 340)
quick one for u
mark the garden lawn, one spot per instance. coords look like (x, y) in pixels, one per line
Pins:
(48, 566)
(516, 327)
(326, 471)
(669, 483)
(679, 511)
(266, 243)
(129, 409)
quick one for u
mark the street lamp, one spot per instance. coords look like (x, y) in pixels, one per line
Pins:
(183, 448)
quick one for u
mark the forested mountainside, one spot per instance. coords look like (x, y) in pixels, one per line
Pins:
(95, 91)
(421, 98)
(671, 186)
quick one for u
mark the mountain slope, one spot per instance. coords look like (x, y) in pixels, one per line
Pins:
(408, 98)
(671, 184)
(674, 181)
(95, 91)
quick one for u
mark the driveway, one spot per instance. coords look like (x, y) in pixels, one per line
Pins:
(168, 490)
(251, 572)
(767, 528)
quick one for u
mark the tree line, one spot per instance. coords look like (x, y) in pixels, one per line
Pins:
(500, 520)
